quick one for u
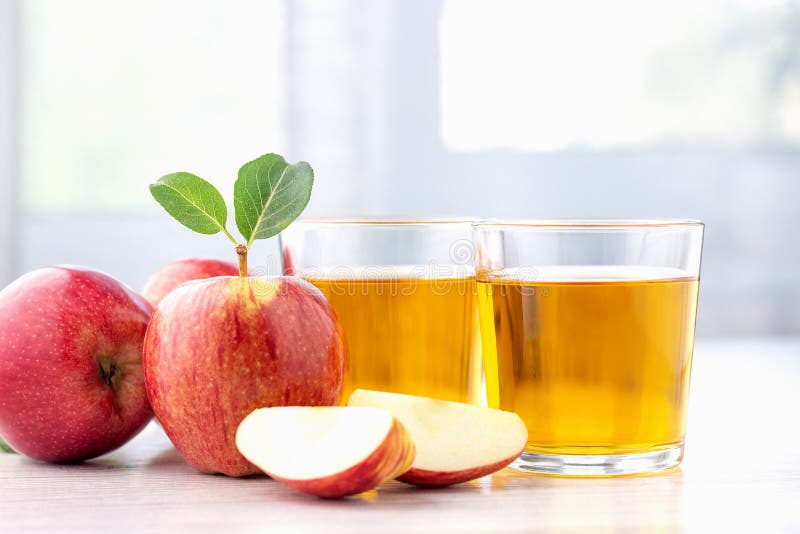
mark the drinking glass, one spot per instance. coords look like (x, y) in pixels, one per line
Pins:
(588, 331)
(404, 291)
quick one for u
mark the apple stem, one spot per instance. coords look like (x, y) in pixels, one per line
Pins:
(241, 251)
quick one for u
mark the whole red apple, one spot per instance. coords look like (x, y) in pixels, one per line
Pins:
(220, 348)
(173, 274)
(71, 379)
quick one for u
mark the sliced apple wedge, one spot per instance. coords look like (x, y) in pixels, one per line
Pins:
(455, 442)
(326, 451)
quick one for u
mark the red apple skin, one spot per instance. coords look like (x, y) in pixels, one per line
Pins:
(57, 325)
(173, 274)
(438, 479)
(392, 457)
(220, 348)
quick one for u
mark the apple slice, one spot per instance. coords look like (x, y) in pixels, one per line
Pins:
(326, 451)
(455, 442)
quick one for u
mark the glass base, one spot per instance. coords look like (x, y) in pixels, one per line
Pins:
(599, 464)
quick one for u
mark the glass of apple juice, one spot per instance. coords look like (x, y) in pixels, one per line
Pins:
(588, 329)
(404, 292)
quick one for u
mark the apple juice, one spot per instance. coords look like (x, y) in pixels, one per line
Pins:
(407, 331)
(595, 356)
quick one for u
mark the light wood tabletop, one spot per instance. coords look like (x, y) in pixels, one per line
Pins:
(741, 472)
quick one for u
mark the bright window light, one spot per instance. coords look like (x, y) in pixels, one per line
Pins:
(115, 94)
(542, 75)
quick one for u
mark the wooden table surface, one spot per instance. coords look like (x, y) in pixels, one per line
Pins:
(742, 471)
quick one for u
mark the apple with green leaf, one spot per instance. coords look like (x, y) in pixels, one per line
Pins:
(172, 274)
(71, 378)
(217, 349)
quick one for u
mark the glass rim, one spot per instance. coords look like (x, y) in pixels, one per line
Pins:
(381, 221)
(583, 224)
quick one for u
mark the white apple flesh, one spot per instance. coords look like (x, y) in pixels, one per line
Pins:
(455, 442)
(328, 452)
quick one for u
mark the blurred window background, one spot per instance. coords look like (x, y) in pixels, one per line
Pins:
(416, 108)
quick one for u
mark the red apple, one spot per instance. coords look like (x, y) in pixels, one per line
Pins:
(71, 380)
(328, 452)
(220, 348)
(173, 274)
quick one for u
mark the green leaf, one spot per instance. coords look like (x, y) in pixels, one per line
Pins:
(193, 202)
(5, 448)
(269, 194)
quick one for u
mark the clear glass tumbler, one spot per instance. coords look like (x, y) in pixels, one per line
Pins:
(404, 292)
(588, 331)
